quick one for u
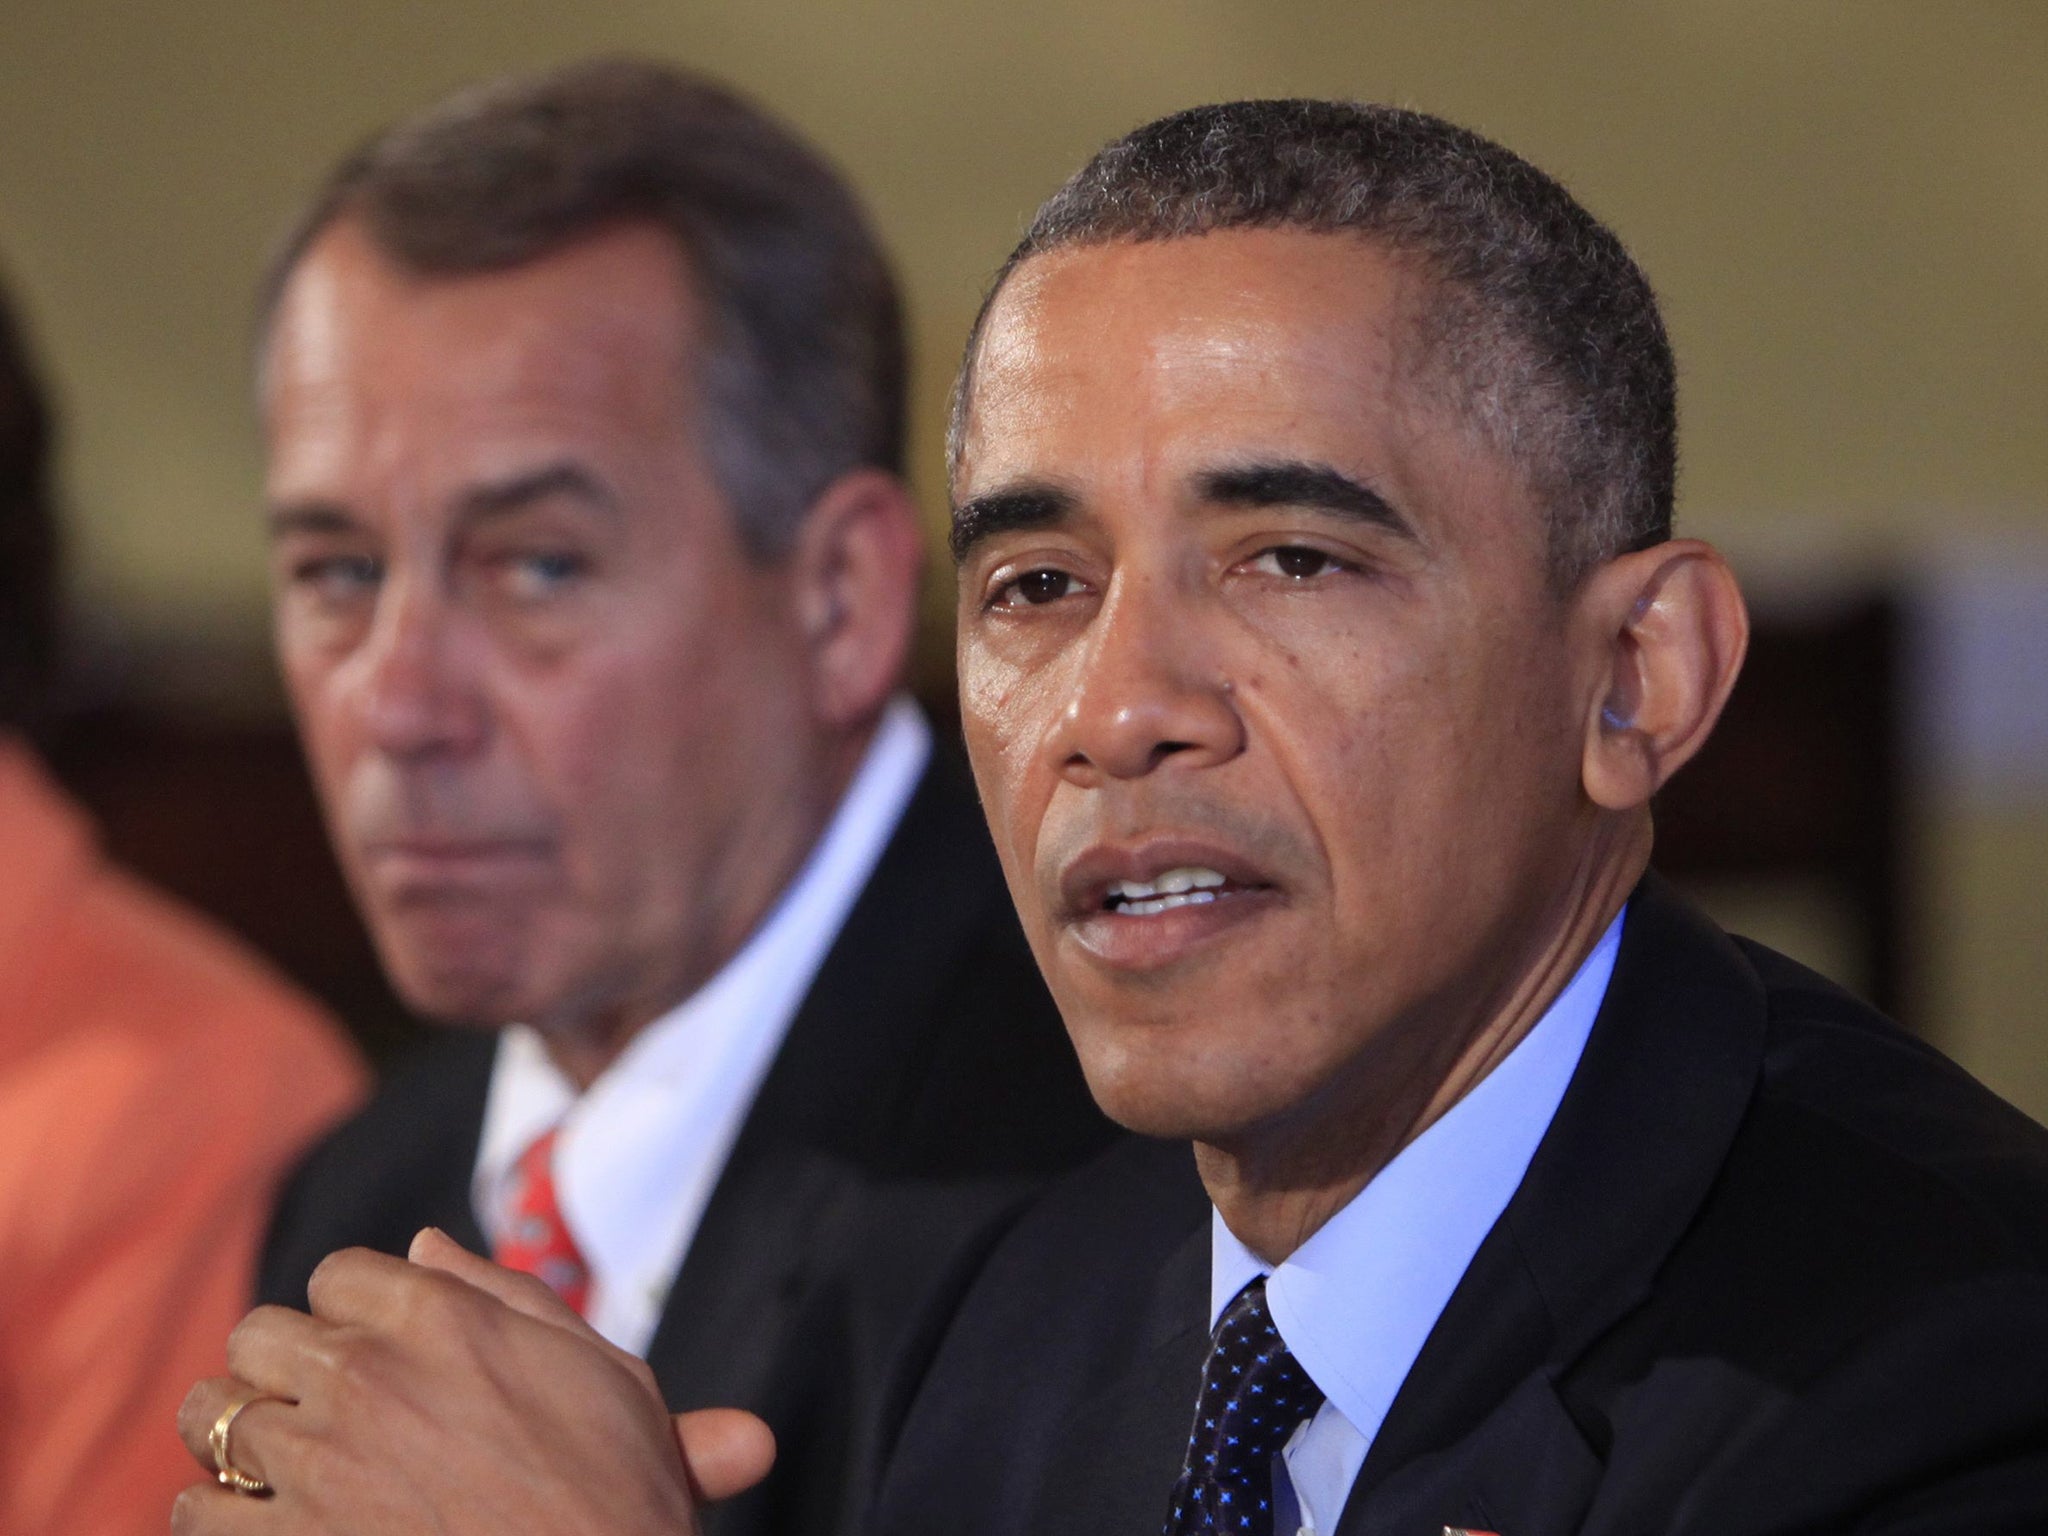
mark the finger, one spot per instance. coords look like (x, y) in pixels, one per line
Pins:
(726, 1451)
(207, 1509)
(202, 1405)
(202, 1409)
(435, 1249)
(273, 1347)
(525, 1294)
(357, 1285)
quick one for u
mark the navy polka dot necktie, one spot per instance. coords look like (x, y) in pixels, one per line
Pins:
(1253, 1395)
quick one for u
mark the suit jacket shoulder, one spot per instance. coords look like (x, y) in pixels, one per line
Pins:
(1854, 1326)
(1765, 1273)
(1889, 1106)
(1775, 1266)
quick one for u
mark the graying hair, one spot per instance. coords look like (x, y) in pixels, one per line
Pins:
(1541, 323)
(802, 373)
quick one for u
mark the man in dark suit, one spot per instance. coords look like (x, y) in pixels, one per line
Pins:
(595, 584)
(1776, 1267)
(1323, 641)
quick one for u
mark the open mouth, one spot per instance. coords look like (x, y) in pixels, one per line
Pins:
(1189, 885)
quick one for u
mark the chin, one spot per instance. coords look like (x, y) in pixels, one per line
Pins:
(1169, 1087)
(462, 1003)
(454, 990)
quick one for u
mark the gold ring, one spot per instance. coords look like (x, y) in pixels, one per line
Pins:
(224, 1469)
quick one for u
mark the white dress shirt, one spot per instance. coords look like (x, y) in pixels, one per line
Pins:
(641, 1149)
(1357, 1300)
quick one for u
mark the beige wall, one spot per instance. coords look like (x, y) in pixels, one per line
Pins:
(1844, 204)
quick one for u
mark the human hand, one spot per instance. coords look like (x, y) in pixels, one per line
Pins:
(446, 1394)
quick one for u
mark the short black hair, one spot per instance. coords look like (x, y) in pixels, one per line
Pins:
(803, 369)
(29, 596)
(1544, 326)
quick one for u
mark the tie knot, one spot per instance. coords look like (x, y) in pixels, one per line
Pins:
(1254, 1393)
(538, 1160)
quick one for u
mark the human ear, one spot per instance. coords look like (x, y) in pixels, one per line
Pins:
(1668, 629)
(855, 570)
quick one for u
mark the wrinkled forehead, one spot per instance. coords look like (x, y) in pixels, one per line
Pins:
(1259, 331)
(351, 315)
(1339, 302)
(369, 364)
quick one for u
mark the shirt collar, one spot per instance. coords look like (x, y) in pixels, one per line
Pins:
(1356, 1302)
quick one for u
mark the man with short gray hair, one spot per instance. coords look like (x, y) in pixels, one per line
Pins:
(595, 585)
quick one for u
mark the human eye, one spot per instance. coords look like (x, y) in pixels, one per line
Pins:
(1296, 562)
(335, 580)
(536, 575)
(1035, 588)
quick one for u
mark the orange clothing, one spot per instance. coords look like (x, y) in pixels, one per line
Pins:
(155, 1081)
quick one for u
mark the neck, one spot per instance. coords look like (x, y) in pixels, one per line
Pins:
(1277, 1185)
(584, 1044)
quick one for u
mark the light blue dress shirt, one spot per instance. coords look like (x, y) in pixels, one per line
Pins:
(1357, 1300)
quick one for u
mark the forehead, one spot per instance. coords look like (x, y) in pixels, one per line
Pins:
(367, 358)
(1273, 332)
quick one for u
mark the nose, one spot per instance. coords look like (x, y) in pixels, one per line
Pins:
(1148, 691)
(417, 688)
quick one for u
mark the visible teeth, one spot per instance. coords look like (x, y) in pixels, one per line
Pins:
(1174, 888)
(1166, 903)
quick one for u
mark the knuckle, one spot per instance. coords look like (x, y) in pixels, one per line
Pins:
(248, 1333)
(424, 1308)
(329, 1272)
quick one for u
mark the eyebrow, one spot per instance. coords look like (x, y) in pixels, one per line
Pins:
(1006, 511)
(491, 499)
(1300, 483)
(309, 517)
(496, 498)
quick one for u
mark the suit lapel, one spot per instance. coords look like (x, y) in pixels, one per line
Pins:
(431, 1182)
(1113, 1469)
(1668, 1072)
(826, 1107)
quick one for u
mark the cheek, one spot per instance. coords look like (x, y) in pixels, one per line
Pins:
(1456, 767)
(331, 726)
(587, 741)
(1003, 716)
(1393, 748)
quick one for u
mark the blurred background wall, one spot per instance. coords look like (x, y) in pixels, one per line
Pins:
(1844, 205)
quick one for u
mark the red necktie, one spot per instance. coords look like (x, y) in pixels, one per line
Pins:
(535, 1239)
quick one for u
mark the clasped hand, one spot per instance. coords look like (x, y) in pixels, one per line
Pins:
(441, 1393)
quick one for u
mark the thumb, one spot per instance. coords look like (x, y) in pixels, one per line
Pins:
(726, 1450)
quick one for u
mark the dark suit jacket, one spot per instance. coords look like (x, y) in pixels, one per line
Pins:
(924, 1088)
(1776, 1267)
